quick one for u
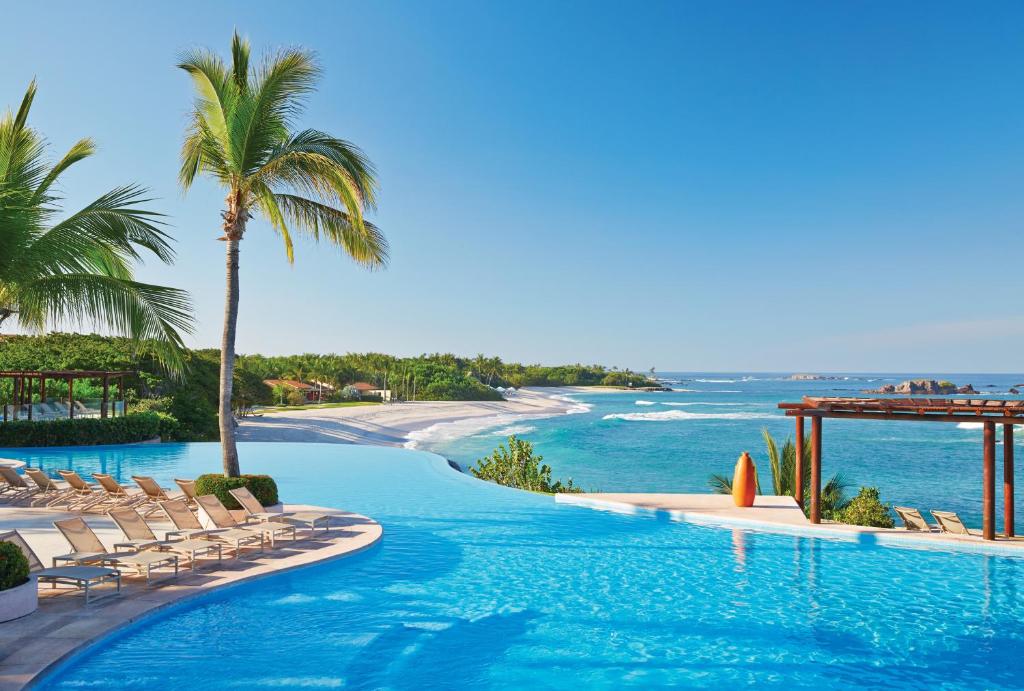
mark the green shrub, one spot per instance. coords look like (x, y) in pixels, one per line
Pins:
(262, 487)
(13, 566)
(84, 431)
(866, 509)
(516, 466)
(295, 397)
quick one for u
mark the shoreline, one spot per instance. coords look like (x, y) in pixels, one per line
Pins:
(411, 424)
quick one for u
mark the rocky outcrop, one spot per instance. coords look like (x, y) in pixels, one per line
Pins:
(925, 387)
(1014, 390)
(805, 377)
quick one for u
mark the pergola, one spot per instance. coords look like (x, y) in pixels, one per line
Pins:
(988, 412)
(26, 381)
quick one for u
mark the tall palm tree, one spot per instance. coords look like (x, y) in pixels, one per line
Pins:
(79, 269)
(306, 182)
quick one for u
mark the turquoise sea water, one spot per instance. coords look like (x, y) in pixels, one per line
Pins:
(477, 586)
(671, 442)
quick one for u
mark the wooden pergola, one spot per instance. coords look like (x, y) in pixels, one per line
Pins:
(988, 412)
(26, 382)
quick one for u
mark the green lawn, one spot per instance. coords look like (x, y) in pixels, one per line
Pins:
(313, 406)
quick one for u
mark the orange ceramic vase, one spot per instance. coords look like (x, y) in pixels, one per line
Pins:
(743, 479)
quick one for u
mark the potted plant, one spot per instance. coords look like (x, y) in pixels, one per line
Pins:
(18, 594)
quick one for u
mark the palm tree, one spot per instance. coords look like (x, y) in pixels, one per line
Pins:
(783, 470)
(79, 269)
(307, 182)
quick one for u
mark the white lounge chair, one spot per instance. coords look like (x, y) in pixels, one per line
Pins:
(87, 549)
(950, 523)
(913, 520)
(82, 577)
(138, 535)
(187, 525)
(256, 511)
(222, 518)
(50, 491)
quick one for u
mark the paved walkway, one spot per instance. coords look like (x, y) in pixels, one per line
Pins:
(63, 624)
(782, 515)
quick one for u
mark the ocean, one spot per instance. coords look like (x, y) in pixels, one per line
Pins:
(672, 441)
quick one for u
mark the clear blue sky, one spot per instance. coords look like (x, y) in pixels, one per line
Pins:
(709, 186)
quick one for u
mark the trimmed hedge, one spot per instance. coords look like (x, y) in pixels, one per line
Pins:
(13, 566)
(87, 431)
(262, 487)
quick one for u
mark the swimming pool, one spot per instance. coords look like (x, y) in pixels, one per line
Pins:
(479, 586)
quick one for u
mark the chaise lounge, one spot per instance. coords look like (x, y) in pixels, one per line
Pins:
(88, 549)
(82, 577)
(256, 510)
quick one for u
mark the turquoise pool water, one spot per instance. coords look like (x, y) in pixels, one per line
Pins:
(671, 442)
(479, 586)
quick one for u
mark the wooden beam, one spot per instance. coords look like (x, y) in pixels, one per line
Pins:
(816, 470)
(850, 415)
(1008, 480)
(798, 468)
(988, 502)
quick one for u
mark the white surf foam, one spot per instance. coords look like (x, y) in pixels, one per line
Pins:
(514, 429)
(665, 415)
(717, 381)
(689, 403)
(646, 403)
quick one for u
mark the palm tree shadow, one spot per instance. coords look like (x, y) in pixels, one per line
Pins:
(415, 658)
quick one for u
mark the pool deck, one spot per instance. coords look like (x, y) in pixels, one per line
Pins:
(781, 515)
(63, 624)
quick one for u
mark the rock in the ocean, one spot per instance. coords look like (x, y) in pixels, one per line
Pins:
(1014, 391)
(967, 388)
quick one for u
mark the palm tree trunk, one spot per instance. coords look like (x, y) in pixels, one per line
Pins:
(229, 450)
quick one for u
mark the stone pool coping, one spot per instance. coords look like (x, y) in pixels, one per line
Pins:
(33, 647)
(781, 515)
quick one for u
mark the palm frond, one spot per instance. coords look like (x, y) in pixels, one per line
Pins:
(240, 61)
(720, 484)
(774, 462)
(364, 242)
(81, 149)
(216, 94)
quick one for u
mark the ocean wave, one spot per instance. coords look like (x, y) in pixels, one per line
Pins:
(514, 429)
(683, 415)
(717, 381)
(646, 403)
(577, 406)
(688, 390)
(689, 403)
(970, 425)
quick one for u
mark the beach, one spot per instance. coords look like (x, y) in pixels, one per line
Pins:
(404, 424)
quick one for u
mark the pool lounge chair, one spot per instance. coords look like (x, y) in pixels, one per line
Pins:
(82, 577)
(913, 520)
(256, 510)
(89, 496)
(138, 535)
(116, 493)
(50, 491)
(187, 525)
(222, 518)
(188, 490)
(89, 550)
(152, 491)
(950, 523)
(15, 488)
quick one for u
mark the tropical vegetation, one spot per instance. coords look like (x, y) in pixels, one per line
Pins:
(241, 134)
(90, 431)
(262, 487)
(192, 400)
(515, 465)
(14, 567)
(867, 509)
(79, 269)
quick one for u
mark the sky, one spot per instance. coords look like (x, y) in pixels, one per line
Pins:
(720, 186)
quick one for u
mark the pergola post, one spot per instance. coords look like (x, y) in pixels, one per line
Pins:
(42, 389)
(816, 469)
(1008, 480)
(28, 382)
(17, 397)
(798, 468)
(106, 395)
(988, 502)
(120, 394)
(71, 398)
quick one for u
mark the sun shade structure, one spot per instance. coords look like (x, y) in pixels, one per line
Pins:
(27, 384)
(986, 411)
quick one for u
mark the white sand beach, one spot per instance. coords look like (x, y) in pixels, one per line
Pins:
(398, 424)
